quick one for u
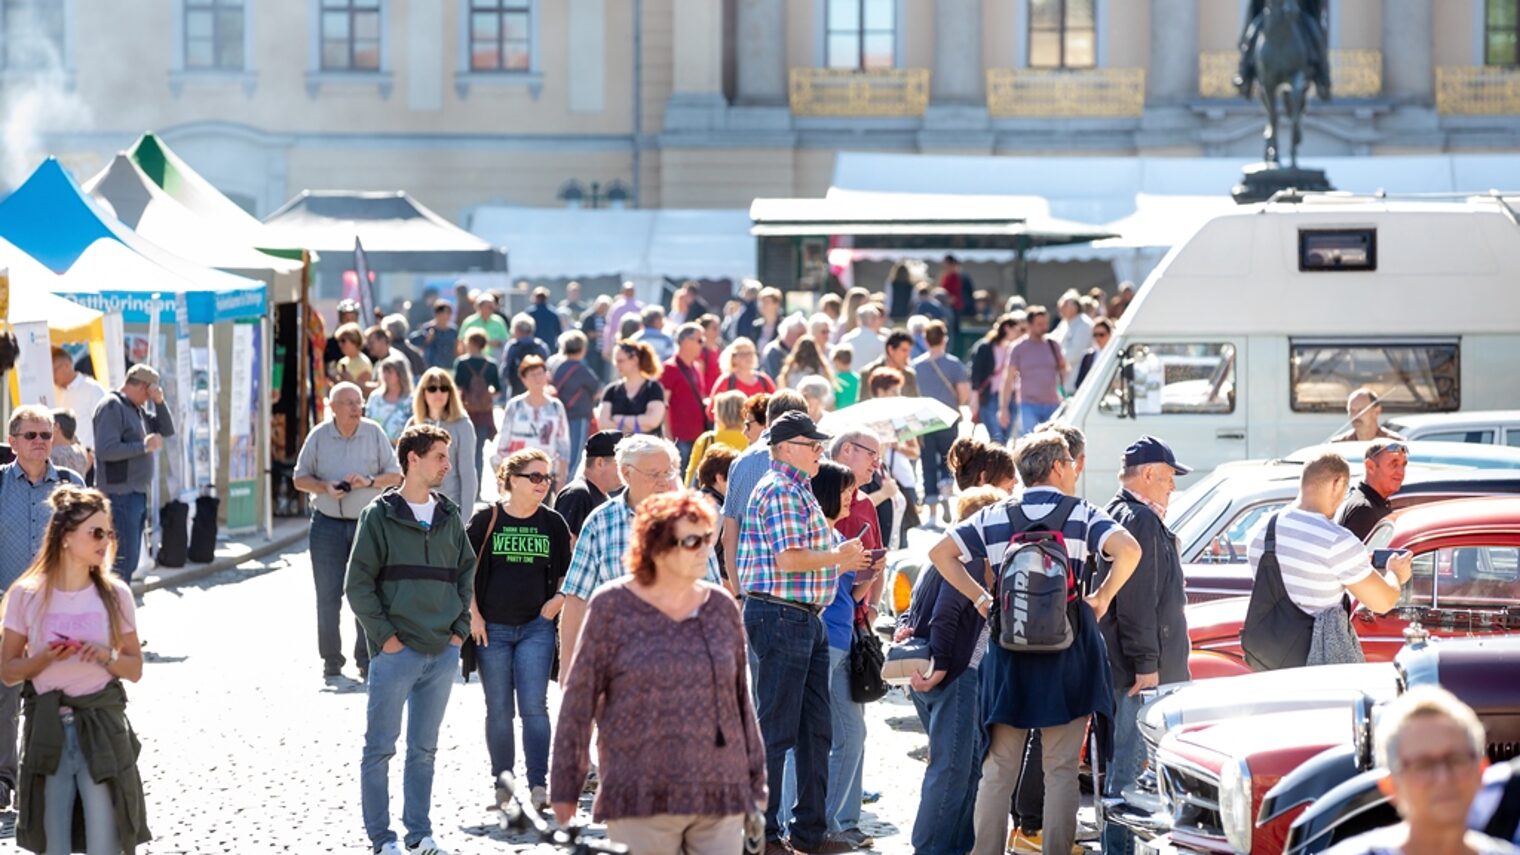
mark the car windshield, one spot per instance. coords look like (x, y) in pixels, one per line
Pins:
(1193, 533)
(1183, 504)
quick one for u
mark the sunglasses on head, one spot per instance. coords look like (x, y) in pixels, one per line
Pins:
(34, 434)
(535, 477)
(1395, 447)
(693, 542)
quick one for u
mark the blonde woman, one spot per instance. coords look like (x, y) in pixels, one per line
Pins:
(71, 633)
(436, 402)
(729, 408)
(391, 403)
(739, 361)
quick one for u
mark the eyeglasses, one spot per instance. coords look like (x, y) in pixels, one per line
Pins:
(693, 542)
(809, 444)
(1395, 447)
(98, 534)
(34, 434)
(875, 455)
(431, 389)
(1427, 767)
(667, 475)
(535, 477)
(346, 402)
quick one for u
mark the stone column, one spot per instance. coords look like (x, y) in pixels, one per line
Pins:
(1172, 79)
(1408, 69)
(761, 50)
(698, 38)
(958, 76)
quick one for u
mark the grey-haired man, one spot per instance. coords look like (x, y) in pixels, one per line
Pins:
(126, 435)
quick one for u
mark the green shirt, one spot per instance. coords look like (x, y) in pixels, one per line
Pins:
(496, 333)
(846, 389)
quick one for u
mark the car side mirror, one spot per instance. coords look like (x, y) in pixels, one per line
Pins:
(1126, 385)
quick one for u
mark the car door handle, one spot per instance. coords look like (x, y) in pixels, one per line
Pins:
(1229, 433)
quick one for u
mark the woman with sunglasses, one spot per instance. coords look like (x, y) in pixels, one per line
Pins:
(635, 401)
(1102, 331)
(390, 405)
(523, 549)
(71, 633)
(661, 671)
(437, 403)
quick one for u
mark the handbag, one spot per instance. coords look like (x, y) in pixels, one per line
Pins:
(467, 650)
(866, 659)
(906, 659)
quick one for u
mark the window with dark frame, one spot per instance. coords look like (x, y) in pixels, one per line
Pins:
(31, 35)
(501, 35)
(214, 35)
(350, 35)
(1063, 34)
(1501, 32)
(1409, 376)
(861, 34)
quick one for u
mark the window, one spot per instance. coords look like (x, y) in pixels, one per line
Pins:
(31, 35)
(500, 35)
(1483, 437)
(214, 35)
(1501, 24)
(1410, 377)
(861, 34)
(1063, 34)
(1159, 379)
(1229, 545)
(350, 35)
(1512, 437)
(1471, 576)
(1337, 249)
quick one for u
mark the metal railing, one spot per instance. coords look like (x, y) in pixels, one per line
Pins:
(1354, 73)
(1058, 93)
(843, 92)
(1477, 91)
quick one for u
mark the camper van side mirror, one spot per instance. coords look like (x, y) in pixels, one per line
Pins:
(1126, 385)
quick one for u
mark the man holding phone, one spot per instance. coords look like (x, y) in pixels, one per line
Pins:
(1384, 463)
(126, 435)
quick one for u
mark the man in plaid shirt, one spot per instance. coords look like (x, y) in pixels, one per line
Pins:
(789, 569)
(648, 465)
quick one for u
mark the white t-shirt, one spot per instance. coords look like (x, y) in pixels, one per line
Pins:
(81, 396)
(1318, 558)
(424, 511)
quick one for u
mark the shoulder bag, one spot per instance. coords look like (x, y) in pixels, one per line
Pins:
(1277, 633)
(467, 650)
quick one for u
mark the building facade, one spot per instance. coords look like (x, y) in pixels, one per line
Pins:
(707, 103)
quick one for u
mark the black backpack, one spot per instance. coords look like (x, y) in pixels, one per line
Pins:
(1036, 591)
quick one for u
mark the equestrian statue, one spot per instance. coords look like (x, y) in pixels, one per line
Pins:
(1283, 51)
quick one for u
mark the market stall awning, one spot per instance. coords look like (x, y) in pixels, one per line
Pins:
(399, 234)
(31, 299)
(144, 207)
(106, 265)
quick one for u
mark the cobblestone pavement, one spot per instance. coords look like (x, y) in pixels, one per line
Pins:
(246, 748)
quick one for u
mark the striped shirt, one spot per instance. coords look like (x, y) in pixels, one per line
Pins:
(601, 552)
(987, 533)
(1318, 558)
(784, 514)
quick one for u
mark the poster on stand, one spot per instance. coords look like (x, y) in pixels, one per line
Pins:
(199, 428)
(34, 363)
(242, 454)
(184, 385)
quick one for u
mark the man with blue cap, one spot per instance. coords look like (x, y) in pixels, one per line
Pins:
(1145, 628)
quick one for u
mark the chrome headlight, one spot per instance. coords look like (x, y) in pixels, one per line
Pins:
(1235, 804)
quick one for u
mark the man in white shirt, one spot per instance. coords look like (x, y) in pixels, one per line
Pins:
(866, 339)
(77, 392)
(1075, 336)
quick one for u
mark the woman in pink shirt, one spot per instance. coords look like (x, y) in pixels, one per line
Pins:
(71, 632)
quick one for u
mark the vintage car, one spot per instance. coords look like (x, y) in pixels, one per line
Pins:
(1233, 777)
(1466, 582)
(1484, 427)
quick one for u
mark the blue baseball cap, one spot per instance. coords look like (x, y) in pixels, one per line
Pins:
(1149, 449)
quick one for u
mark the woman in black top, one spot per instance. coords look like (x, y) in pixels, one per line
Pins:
(524, 550)
(635, 402)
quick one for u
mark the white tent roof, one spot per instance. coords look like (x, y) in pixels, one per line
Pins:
(627, 243)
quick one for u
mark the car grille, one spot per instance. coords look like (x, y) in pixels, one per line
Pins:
(1193, 798)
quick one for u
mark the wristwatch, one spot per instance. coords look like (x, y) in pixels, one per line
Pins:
(985, 599)
(115, 655)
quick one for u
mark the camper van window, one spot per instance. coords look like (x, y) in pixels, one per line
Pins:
(1174, 378)
(1337, 249)
(1409, 376)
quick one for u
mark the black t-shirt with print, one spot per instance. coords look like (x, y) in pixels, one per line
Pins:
(525, 560)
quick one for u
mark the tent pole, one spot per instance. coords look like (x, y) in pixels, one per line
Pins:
(1021, 270)
(266, 456)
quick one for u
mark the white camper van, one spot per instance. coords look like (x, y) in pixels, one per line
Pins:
(1247, 339)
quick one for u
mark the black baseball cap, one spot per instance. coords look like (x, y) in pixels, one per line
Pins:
(794, 425)
(1149, 449)
(603, 443)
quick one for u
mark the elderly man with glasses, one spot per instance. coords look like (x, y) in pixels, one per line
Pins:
(647, 465)
(345, 463)
(1368, 502)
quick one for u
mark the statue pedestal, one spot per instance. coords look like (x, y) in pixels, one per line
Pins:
(1261, 180)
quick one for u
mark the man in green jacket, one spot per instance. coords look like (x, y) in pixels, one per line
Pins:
(410, 578)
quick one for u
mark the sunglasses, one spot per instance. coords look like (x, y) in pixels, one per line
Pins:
(34, 434)
(431, 389)
(693, 542)
(1395, 447)
(535, 477)
(98, 534)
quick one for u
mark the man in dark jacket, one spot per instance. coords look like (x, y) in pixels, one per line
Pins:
(410, 578)
(126, 436)
(1384, 463)
(1146, 629)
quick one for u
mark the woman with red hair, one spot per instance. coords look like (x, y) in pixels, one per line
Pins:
(661, 670)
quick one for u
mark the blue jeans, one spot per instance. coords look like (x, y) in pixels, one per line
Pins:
(73, 777)
(791, 685)
(951, 715)
(1129, 754)
(129, 515)
(847, 753)
(989, 416)
(936, 448)
(578, 429)
(517, 661)
(419, 684)
(331, 540)
(1032, 414)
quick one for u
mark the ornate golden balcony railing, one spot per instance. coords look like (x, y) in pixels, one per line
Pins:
(888, 92)
(1477, 91)
(1354, 73)
(1057, 93)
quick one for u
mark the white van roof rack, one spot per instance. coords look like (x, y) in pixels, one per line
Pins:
(1504, 199)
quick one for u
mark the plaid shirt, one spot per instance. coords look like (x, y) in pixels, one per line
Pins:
(784, 514)
(601, 553)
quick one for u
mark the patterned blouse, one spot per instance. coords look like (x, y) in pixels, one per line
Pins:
(526, 426)
(676, 727)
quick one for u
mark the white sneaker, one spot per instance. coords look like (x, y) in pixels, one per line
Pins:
(391, 848)
(540, 798)
(426, 846)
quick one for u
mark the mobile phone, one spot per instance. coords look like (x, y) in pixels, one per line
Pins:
(344, 486)
(863, 529)
(1380, 557)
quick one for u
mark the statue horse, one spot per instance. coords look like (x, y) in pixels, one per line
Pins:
(1285, 61)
